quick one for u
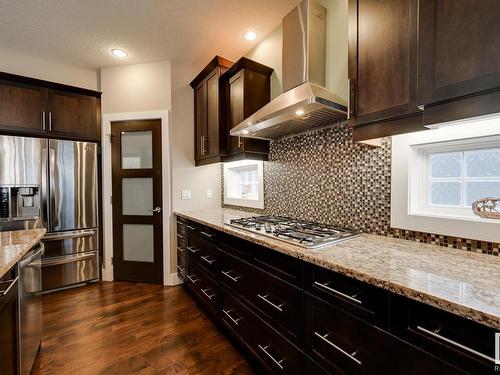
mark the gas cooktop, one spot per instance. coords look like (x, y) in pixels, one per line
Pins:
(306, 234)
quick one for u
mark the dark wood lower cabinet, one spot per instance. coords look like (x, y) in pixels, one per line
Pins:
(9, 324)
(290, 317)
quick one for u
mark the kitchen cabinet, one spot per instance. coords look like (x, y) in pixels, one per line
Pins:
(383, 68)
(291, 316)
(45, 109)
(9, 323)
(459, 59)
(245, 88)
(209, 137)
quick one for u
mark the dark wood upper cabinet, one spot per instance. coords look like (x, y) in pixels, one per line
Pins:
(383, 67)
(209, 139)
(39, 108)
(73, 114)
(459, 58)
(245, 88)
(21, 106)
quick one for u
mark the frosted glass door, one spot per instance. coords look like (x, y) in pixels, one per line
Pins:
(137, 196)
(137, 149)
(138, 243)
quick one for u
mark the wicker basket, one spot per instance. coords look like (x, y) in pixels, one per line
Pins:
(488, 208)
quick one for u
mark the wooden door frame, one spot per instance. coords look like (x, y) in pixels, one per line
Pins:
(169, 278)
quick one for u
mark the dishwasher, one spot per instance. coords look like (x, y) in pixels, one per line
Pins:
(30, 275)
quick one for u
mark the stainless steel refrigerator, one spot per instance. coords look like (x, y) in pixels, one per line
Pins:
(53, 184)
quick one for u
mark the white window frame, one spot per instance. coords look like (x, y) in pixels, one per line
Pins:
(409, 176)
(252, 203)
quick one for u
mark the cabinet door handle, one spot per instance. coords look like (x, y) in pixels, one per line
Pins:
(193, 250)
(207, 234)
(348, 355)
(227, 313)
(348, 98)
(180, 269)
(276, 362)
(190, 227)
(209, 296)
(180, 236)
(180, 249)
(264, 298)
(454, 343)
(233, 278)
(207, 259)
(43, 121)
(351, 298)
(192, 278)
(50, 121)
(239, 142)
(11, 285)
(179, 222)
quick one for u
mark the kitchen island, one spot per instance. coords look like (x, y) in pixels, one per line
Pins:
(15, 244)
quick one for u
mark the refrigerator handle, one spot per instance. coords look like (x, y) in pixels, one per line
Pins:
(53, 217)
(45, 183)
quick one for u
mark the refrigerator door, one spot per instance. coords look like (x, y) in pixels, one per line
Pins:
(23, 162)
(73, 185)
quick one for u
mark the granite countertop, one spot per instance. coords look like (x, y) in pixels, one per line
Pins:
(15, 244)
(464, 283)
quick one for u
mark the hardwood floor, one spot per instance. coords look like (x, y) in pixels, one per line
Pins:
(131, 328)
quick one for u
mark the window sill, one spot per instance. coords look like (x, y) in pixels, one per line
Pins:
(244, 202)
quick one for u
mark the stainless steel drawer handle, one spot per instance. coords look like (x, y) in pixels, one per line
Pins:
(276, 362)
(180, 269)
(348, 355)
(179, 222)
(193, 250)
(180, 249)
(11, 285)
(227, 313)
(192, 278)
(454, 343)
(206, 234)
(207, 259)
(205, 292)
(351, 298)
(67, 259)
(228, 275)
(264, 298)
(65, 236)
(180, 235)
(190, 227)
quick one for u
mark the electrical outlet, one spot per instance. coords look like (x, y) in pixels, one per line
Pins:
(209, 193)
(186, 194)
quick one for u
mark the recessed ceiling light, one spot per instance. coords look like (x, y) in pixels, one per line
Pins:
(245, 131)
(250, 35)
(299, 112)
(119, 53)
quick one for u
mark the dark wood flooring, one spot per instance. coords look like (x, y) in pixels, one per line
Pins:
(131, 328)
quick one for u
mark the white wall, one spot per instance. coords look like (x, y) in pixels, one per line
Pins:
(136, 88)
(24, 65)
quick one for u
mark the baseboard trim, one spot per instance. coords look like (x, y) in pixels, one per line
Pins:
(172, 280)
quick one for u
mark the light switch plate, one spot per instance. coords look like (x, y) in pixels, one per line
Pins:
(186, 194)
(209, 193)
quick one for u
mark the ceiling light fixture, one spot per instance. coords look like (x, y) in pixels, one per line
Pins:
(299, 112)
(119, 53)
(245, 131)
(250, 35)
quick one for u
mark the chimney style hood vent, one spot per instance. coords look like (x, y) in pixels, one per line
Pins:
(306, 104)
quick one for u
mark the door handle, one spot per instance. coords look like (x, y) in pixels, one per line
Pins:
(156, 210)
(50, 121)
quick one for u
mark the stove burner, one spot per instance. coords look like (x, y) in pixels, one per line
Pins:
(303, 233)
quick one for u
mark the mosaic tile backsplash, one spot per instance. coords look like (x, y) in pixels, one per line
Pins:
(323, 176)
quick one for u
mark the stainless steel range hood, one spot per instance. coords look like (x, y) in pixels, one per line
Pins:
(306, 104)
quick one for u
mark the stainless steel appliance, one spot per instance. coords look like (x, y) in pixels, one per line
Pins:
(306, 103)
(53, 184)
(302, 233)
(30, 275)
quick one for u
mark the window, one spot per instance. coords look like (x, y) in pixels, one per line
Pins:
(243, 183)
(438, 174)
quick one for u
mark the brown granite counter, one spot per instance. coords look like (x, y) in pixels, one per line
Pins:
(15, 244)
(466, 284)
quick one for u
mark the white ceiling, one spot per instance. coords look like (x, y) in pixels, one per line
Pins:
(82, 32)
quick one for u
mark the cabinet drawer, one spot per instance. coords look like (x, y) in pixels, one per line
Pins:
(203, 286)
(206, 255)
(346, 345)
(281, 265)
(274, 352)
(181, 225)
(451, 338)
(181, 264)
(279, 302)
(362, 300)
